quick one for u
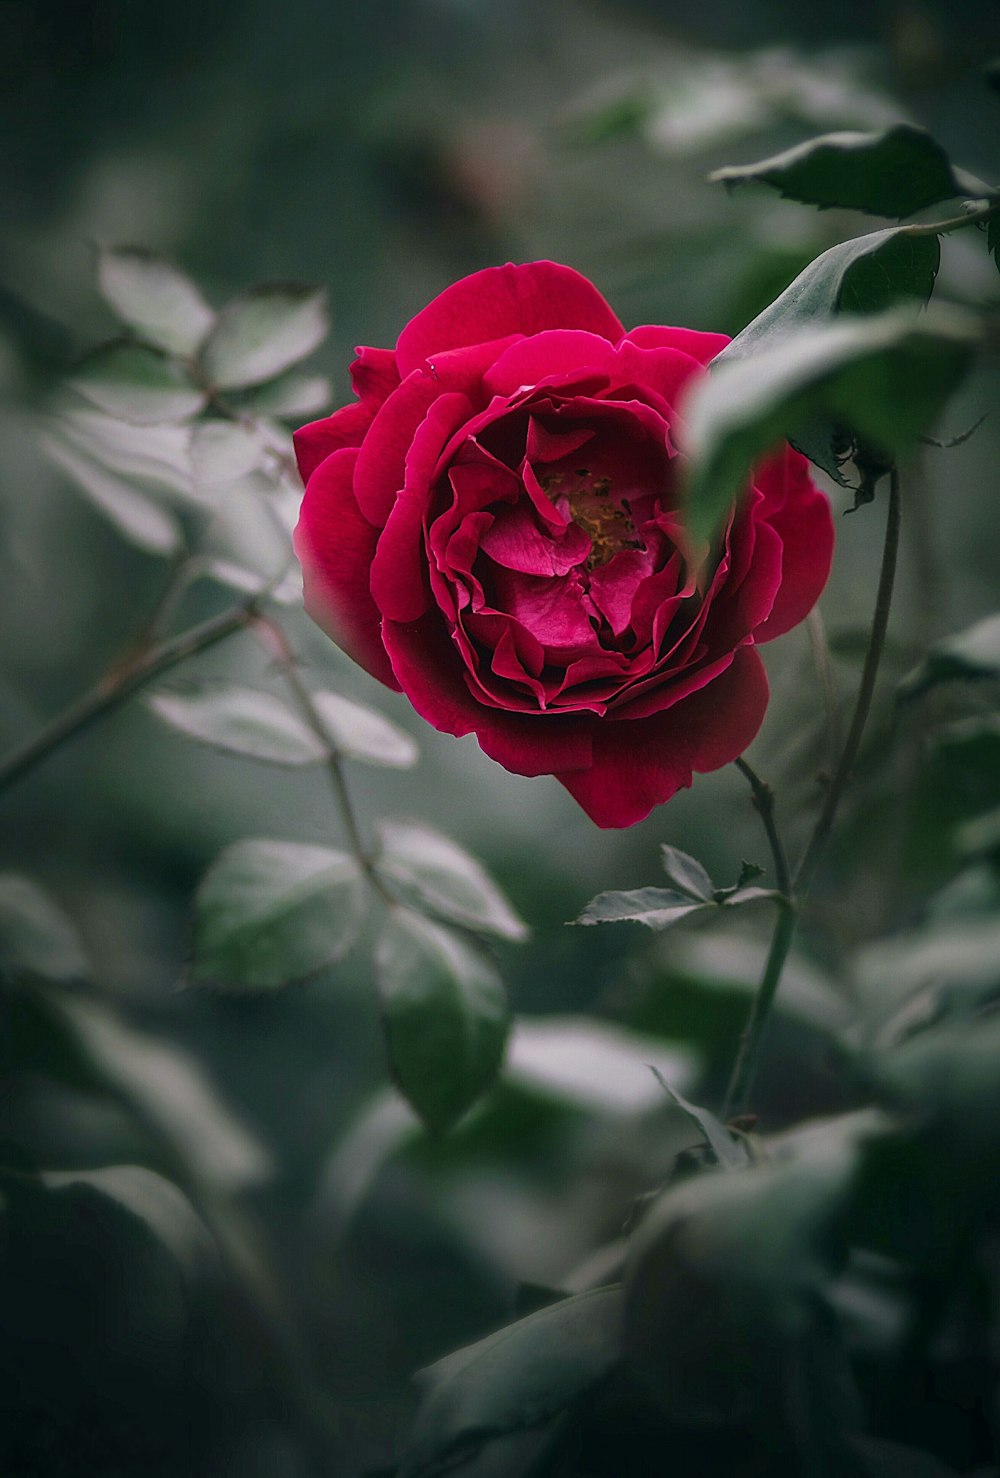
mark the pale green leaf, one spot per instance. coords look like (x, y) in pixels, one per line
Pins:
(657, 908)
(445, 1015)
(239, 720)
(360, 733)
(597, 1066)
(138, 384)
(431, 870)
(262, 333)
(971, 654)
(291, 396)
(136, 517)
(686, 874)
(154, 297)
(36, 938)
(268, 913)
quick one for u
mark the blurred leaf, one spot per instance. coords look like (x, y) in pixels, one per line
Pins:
(657, 908)
(686, 874)
(155, 297)
(291, 396)
(287, 592)
(993, 239)
(36, 938)
(884, 1459)
(222, 451)
(971, 654)
(138, 384)
(262, 333)
(981, 836)
(157, 455)
(240, 721)
(730, 1153)
(361, 733)
(513, 1379)
(166, 1089)
(445, 1014)
(434, 872)
(885, 378)
(136, 517)
(948, 1079)
(595, 1065)
(269, 913)
(893, 172)
(155, 1201)
(913, 980)
(724, 1276)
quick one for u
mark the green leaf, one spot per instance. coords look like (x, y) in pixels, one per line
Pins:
(291, 396)
(892, 172)
(433, 872)
(596, 1066)
(138, 384)
(287, 592)
(724, 1275)
(514, 1379)
(909, 982)
(730, 1153)
(657, 908)
(981, 836)
(885, 378)
(993, 239)
(268, 913)
(139, 520)
(154, 297)
(153, 455)
(153, 1200)
(262, 333)
(360, 733)
(240, 721)
(686, 874)
(37, 939)
(222, 451)
(971, 654)
(445, 1014)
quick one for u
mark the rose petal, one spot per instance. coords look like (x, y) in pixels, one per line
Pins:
(805, 526)
(374, 375)
(319, 439)
(639, 765)
(335, 546)
(701, 346)
(523, 299)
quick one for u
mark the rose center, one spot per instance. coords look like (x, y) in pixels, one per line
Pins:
(591, 504)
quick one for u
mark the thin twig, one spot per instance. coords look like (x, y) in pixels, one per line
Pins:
(763, 799)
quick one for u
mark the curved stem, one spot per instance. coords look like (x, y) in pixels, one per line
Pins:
(748, 1056)
(119, 683)
(763, 799)
(277, 643)
(876, 643)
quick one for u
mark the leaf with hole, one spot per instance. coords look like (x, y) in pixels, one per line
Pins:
(154, 297)
(138, 384)
(269, 913)
(445, 1014)
(262, 333)
(891, 172)
(432, 871)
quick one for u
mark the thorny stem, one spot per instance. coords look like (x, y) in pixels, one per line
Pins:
(277, 644)
(120, 682)
(794, 889)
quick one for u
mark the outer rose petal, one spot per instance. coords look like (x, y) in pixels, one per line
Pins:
(335, 546)
(522, 299)
(701, 346)
(429, 671)
(374, 375)
(639, 765)
(805, 526)
(315, 442)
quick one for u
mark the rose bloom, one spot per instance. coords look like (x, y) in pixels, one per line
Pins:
(495, 527)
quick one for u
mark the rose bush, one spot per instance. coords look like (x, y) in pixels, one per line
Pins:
(495, 528)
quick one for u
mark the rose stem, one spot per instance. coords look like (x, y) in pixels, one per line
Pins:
(763, 799)
(794, 891)
(121, 680)
(276, 642)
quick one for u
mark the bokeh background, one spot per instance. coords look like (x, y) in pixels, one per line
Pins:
(382, 150)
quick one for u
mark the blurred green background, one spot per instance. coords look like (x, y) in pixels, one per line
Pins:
(383, 150)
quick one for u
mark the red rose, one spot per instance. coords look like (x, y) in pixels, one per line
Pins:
(493, 528)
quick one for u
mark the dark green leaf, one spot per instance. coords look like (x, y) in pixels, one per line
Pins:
(36, 938)
(292, 396)
(136, 517)
(981, 836)
(155, 1201)
(993, 239)
(971, 654)
(262, 333)
(360, 733)
(657, 908)
(445, 1013)
(885, 378)
(433, 871)
(138, 384)
(514, 1379)
(686, 874)
(153, 296)
(269, 913)
(240, 721)
(892, 172)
